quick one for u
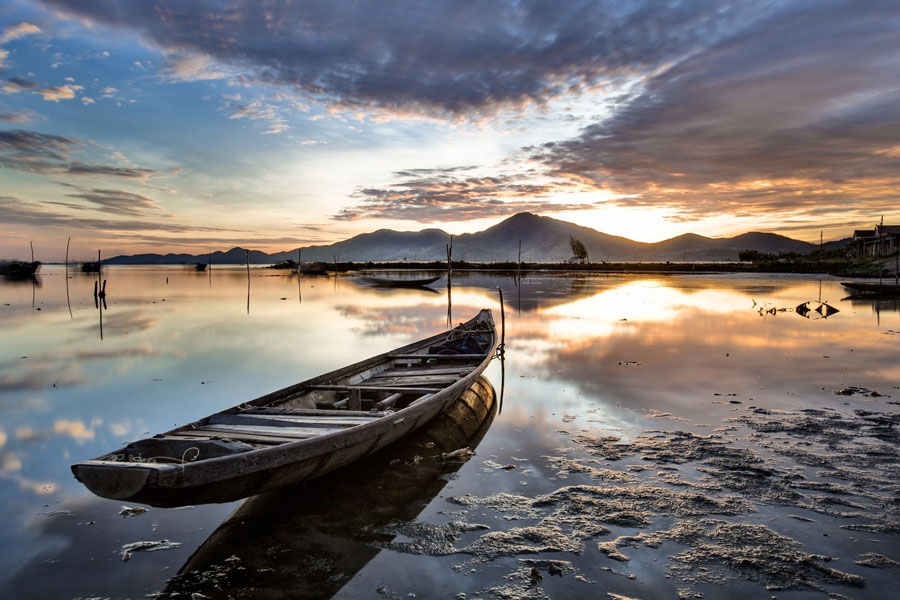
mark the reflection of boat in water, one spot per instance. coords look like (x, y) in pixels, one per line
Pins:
(823, 309)
(19, 268)
(308, 540)
(299, 432)
(394, 282)
(860, 288)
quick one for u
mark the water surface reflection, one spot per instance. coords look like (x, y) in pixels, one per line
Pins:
(644, 363)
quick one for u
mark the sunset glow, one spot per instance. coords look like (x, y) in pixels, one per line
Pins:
(188, 127)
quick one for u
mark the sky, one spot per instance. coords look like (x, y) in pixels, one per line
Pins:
(199, 125)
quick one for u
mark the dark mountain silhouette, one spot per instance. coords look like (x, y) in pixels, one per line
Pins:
(544, 239)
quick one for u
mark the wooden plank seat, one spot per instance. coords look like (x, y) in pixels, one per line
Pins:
(288, 420)
(369, 387)
(438, 357)
(247, 438)
(417, 371)
(312, 412)
(232, 430)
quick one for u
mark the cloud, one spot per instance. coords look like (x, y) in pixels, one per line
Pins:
(60, 92)
(18, 116)
(193, 67)
(15, 32)
(34, 152)
(77, 168)
(14, 85)
(116, 202)
(451, 58)
(429, 195)
(257, 110)
(797, 112)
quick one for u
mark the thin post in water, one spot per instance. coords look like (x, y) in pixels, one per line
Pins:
(502, 347)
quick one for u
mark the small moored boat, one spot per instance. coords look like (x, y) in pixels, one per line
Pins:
(392, 282)
(301, 431)
(19, 268)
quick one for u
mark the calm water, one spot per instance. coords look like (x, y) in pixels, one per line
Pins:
(674, 411)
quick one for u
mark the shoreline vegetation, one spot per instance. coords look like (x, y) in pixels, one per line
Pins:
(829, 263)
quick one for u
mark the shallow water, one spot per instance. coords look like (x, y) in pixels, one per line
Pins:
(669, 435)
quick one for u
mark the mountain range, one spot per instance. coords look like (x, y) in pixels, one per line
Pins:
(543, 239)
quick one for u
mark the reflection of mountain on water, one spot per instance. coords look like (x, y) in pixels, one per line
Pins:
(307, 541)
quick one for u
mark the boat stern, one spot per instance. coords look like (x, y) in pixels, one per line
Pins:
(117, 481)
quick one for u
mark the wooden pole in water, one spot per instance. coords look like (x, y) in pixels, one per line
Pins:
(502, 324)
(32, 250)
(69, 241)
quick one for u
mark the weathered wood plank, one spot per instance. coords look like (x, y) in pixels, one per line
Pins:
(377, 388)
(240, 437)
(286, 421)
(313, 412)
(287, 432)
(421, 382)
(437, 356)
(388, 402)
(414, 371)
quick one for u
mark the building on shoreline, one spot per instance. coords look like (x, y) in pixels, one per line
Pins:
(884, 240)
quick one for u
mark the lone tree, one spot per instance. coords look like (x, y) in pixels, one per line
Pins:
(578, 249)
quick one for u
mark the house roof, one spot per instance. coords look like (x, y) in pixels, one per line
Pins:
(863, 233)
(888, 229)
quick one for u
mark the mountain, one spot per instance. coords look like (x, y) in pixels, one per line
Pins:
(543, 239)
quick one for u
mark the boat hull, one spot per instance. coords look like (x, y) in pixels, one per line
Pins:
(230, 475)
(385, 282)
(298, 461)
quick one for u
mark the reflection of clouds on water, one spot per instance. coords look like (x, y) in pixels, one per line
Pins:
(28, 434)
(10, 468)
(402, 320)
(57, 369)
(76, 430)
(2, 438)
(31, 376)
(130, 322)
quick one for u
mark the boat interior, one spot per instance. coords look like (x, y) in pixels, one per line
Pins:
(325, 405)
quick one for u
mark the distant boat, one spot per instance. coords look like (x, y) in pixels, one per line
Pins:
(91, 267)
(200, 267)
(859, 288)
(392, 282)
(301, 431)
(19, 268)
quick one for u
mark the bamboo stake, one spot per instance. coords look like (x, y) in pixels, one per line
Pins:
(502, 347)
(32, 250)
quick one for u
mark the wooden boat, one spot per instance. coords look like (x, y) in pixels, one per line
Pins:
(872, 289)
(301, 431)
(19, 268)
(91, 267)
(323, 517)
(392, 282)
(200, 267)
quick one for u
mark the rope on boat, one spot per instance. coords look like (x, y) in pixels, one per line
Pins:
(137, 458)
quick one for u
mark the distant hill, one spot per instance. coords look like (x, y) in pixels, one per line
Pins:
(544, 239)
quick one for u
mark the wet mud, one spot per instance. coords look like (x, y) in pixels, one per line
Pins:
(694, 502)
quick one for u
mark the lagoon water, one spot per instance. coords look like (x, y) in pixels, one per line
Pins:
(659, 437)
